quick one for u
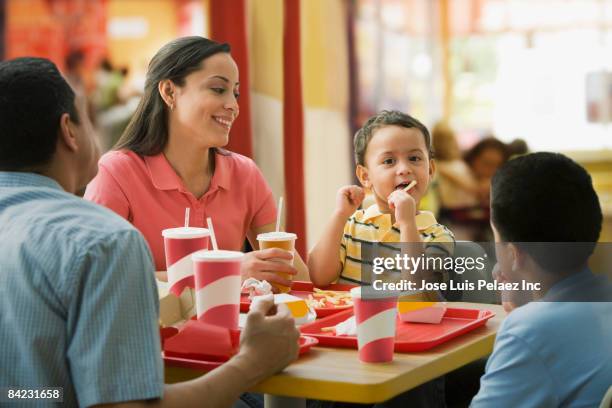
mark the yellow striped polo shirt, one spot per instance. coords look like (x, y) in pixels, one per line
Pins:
(370, 226)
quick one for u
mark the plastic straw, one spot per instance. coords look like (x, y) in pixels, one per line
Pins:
(278, 214)
(187, 217)
(212, 234)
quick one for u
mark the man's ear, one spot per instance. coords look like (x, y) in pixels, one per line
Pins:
(67, 134)
(166, 90)
(363, 176)
(519, 256)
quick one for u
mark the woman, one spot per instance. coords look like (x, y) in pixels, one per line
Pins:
(170, 158)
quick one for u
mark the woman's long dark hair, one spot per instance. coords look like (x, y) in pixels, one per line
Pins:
(147, 132)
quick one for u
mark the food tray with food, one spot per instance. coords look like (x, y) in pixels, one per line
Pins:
(325, 301)
(409, 337)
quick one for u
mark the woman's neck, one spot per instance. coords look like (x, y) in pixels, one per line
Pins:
(195, 167)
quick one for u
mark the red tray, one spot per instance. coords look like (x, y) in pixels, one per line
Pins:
(306, 342)
(409, 337)
(303, 289)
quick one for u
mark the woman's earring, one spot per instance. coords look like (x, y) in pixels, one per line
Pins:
(171, 106)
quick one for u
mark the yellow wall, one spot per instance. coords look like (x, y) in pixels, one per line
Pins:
(266, 47)
(325, 92)
(324, 54)
(325, 86)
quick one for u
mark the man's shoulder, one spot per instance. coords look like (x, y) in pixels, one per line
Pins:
(60, 228)
(537, 322)
(63, 212)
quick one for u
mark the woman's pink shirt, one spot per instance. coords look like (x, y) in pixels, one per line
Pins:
(148, 193)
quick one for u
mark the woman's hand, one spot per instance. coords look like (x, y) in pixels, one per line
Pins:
(265, 265)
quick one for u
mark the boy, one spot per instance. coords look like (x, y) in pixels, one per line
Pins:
(554, 351)
(392, 150)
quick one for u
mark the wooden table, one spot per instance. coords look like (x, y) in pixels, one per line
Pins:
(337, 374)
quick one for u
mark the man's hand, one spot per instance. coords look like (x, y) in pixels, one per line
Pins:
(348, 199)
(264, 265)
(404, 206)
(268, 343)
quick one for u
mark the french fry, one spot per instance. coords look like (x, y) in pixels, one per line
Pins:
(329, 298)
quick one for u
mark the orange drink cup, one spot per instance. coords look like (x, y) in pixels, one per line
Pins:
(282, 240)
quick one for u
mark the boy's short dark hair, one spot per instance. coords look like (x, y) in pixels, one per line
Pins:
(547, 198)
(33, 97)
(381, 119)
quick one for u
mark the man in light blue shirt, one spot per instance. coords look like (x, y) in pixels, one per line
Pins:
(78, 300)
(555, 351)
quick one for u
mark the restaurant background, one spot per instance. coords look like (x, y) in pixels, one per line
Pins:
(313, 70)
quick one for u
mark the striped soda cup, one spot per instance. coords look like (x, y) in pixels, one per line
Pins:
(375, 316)
(217, 281)
(179, 245)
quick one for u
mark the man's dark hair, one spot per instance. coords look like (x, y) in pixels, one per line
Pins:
(541, 200)
(381, 119)
(33, 97)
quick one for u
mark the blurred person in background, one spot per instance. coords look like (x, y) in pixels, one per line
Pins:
(115, 102)
(517, 147)
(74, 70)
(484, 158)
(460, 194)
(171, 156)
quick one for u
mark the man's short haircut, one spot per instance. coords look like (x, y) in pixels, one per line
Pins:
(547, 198)
(386, 118)
(33, 97)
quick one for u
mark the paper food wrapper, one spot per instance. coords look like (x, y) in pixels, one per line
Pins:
(347, 327)
(421, 312)
(297, 306)
(175, 310)
(255, 287)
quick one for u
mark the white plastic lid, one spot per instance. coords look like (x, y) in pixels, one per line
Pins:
(276, 236)
(216, 256)
(185, 233)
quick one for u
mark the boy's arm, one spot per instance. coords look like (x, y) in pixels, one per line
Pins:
(404, 207)
(405, 215)
(323, 260)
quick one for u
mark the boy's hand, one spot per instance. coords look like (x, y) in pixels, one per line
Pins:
(404, 206)
(348, 199)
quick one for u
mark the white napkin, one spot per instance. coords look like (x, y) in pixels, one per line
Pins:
(347, 327)
(256, 287)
